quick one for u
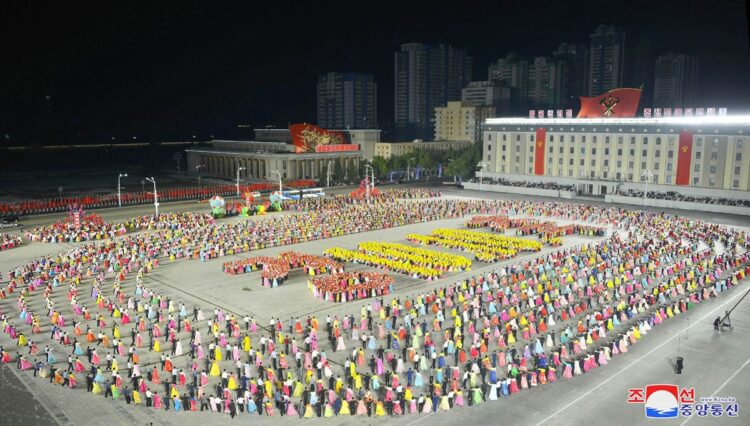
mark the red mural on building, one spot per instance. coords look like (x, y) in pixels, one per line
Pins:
(684, 158)
(307, 137)
(541, 142)
(616, 103)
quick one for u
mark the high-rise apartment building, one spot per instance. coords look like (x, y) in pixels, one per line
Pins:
(675, 78)
(425, 77)
(545, 83)
(606, 60)
(347, 101)
(513, 72)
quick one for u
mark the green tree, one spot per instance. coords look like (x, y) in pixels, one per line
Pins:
(380, 165)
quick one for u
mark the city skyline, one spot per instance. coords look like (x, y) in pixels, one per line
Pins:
(163, 73)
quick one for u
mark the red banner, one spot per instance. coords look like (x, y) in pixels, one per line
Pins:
(541, 139)
(337, 148)
(306, 137)
(615, 103)
(684, 158)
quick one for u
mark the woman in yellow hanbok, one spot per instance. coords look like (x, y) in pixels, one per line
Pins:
(309, 413)
(379, 409)
(217, 354)
(232, 385)
(246, 346)
(157, 347)
(116, 332)
(344, 410)
(298, 389)
(215, 369)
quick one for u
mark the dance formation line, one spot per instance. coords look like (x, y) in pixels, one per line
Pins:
(274, 271)
(550, 233)
(348, 286)
(485, 247)
(9, 241)
(403, 259)
(492, 325)
(95, 228)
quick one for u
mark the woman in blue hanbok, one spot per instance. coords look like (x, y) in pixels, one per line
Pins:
(372, 343)
(418, 383)
(492, 309)
(451, 348)
(504, 387)
(251, 407)
(538, 349)
(493, 376)
(441, 361)
(78, 351)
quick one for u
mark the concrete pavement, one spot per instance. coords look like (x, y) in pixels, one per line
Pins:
(713, 361)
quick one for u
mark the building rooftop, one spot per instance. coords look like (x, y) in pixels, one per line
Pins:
(708, 120)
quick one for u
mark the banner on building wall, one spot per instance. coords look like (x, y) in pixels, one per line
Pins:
(678, 112)
(616, 103)
(699, 111)
(540, 113)
(657, 112)
(307, 137)
(568, 113)
(337, 148)
(667, 112)
(541, 138)
(711, 111)
(532, 113)
(688, 112)
(559, 113)
(647, 112)
(722, 111)
(550, 113)
(684, 158)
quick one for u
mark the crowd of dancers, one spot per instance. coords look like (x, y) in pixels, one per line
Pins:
(92, 315)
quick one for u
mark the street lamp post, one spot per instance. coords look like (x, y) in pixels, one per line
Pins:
(646, 174)
(280, 186)
(481, 166)
(59, 192)
(239, 169)
(369, 185)
(328, 173)
(156, 196)
(198, 168)
(119, 193)
(408, 164)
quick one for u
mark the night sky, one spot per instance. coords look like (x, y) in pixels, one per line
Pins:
(165, 70)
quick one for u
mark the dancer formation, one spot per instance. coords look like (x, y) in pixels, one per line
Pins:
(552, 316)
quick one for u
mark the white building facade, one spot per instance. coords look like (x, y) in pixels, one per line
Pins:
(599, 155)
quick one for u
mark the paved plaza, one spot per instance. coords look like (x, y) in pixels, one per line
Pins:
(716, 364)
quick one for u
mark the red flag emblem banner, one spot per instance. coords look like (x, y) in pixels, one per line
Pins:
(617, 103)
(684, 158)
(541, 138)
(306, 137)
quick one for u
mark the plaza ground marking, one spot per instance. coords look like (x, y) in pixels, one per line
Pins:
(638, 360)
(722, 385)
